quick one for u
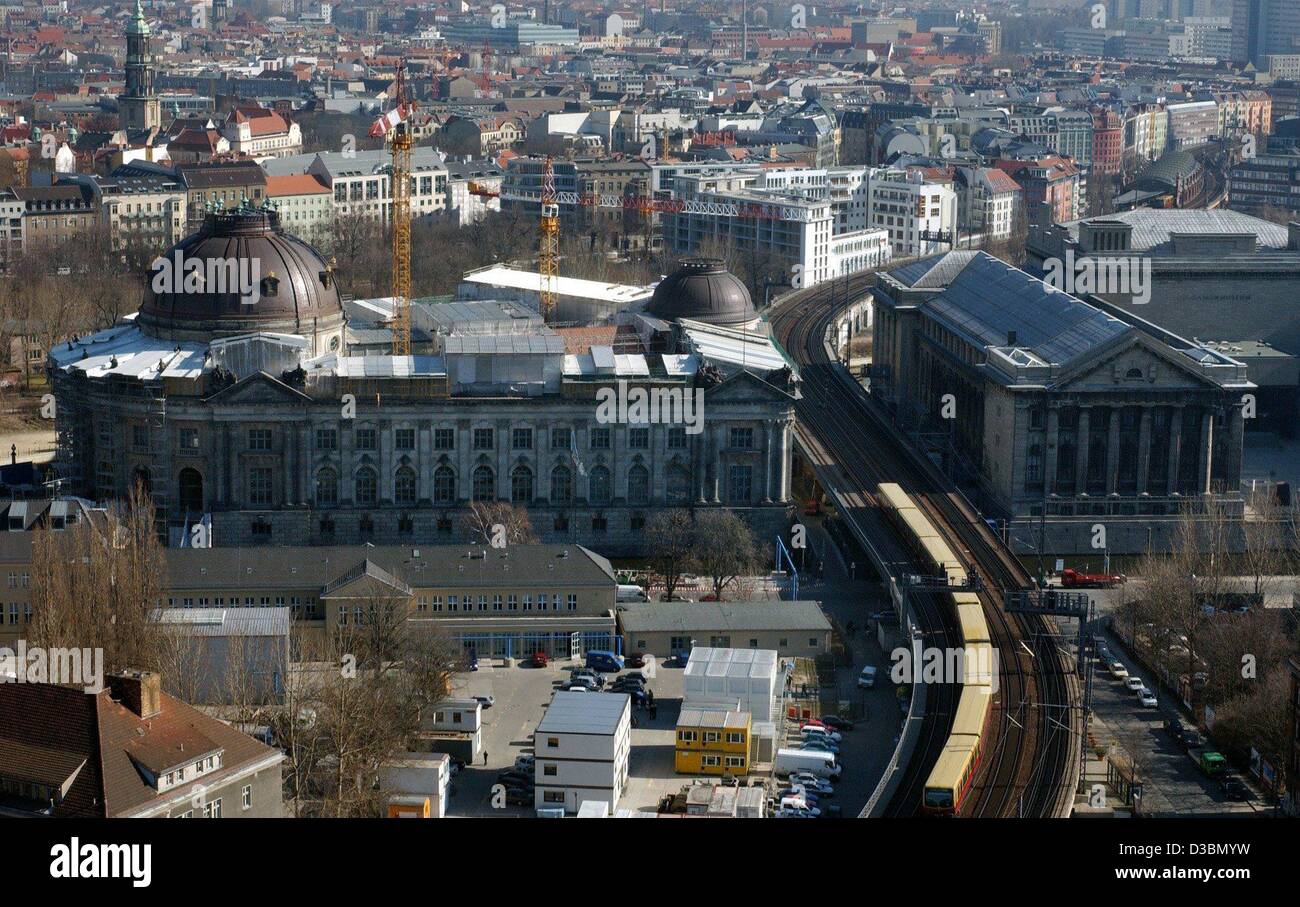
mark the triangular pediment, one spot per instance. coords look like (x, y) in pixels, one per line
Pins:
(1135, 361)
(258, 388)
(743, 385)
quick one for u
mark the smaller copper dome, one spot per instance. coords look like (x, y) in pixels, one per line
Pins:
(703, 290)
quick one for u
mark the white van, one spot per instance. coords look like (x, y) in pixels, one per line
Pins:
(630, 593)
(821, 764)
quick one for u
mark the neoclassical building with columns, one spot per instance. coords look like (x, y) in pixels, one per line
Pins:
(1064, 416)
(253, 420)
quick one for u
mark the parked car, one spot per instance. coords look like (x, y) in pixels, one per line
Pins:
(867, 679)
(1147, 699)
(1192, 740)
(525, 762)
(633, 675)
(820, 733)
(793, 813)
(799, 803)
(572, 687)
(1118, 671)
(836, 723)
(823, 746)
(515, 777)
(813, 722)
(635, 660)
(1134, 683)
(518, 797)
(582, 680)
(1235, 789)
(811, 782)
(1212, 763)
(486, 701)
(1175, 728)
(540, 660)
(799, 793)
(1073, 579)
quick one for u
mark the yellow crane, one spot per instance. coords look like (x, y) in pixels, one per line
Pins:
(395, 127)
(548, 255)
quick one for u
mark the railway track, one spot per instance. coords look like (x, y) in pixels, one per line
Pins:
(1030, 737)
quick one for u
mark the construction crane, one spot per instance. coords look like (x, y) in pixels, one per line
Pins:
(548, 254)
(395, 128)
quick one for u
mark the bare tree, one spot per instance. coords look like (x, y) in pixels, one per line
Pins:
(724, 548)
(96, 586)
(488, 522)
(669, 538)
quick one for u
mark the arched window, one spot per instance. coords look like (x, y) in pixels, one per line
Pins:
(327, 488)
(191, 490)
(485, 484)
(679, 485)
(521, 485)
(444, 485)
(1134, 373)
(638, 485)
(600, 490)
(561, 485)
(404, 486)
(367, 485)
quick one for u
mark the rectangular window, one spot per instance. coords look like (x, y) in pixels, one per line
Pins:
(260, 486)
(710, 760)
(561, 438)
(572, 601)
(740, 484)
(550, 770)
(553, 796)
(484, 439)
(735, 738)
(541, 602)
(735, 762)
(248, 796)
(189, 439)
(742, 438)
(638, 438)
(677, 438)
(521, 438)
(404, 439)
(259, 439)
(600, 439)
(552, 742)
(512, 602)
(367, 439)
(711, 737)
(444, 439)
(528, 603)
(496, 603)
(327, 439)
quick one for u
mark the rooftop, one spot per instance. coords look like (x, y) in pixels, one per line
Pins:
(584, 713)
(652, 617)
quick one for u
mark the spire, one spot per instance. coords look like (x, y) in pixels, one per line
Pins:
(138, 25)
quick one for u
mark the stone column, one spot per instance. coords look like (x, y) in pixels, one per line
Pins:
(1175, 439)
(787, 441)
(1236, 437)
(347, 466)
(769, 442)
(383, 437)
(1051, 445)
(236, 495)
(287, 464)
(464, 460)
(220, 463)
(1206, 461)
(699, 462)
(1083, 447)
(1112, 450)
(424, 449)
(720, 441)
(1144, 450)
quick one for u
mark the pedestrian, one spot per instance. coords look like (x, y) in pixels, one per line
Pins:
(654, 711)
(650, 696)
(485, 757)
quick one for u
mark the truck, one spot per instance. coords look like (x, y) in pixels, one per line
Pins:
(1074, 579)
(1212, 763)
(820, 763)
(629, 592)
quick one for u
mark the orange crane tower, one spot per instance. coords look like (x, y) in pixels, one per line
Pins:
(395, 127)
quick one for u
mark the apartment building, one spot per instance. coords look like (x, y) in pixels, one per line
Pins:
(1193, 123)
(58, 214)
(919, 215)
(220, 185)
(360, 183)
(306, 204)
(128, 751)
(260, 133)
(582, 745)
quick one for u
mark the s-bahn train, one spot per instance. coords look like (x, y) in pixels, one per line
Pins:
(950, 779)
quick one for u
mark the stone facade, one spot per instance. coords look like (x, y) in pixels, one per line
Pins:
(274, 465)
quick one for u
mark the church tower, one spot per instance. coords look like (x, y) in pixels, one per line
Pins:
(138, 104)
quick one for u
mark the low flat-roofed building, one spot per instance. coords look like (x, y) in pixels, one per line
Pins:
(792, 629)
(246, 649)
(576, 300)
(712, 742)
(582, 746)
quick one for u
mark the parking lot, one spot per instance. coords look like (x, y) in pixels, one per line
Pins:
(521, 694)
(1172, 783)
